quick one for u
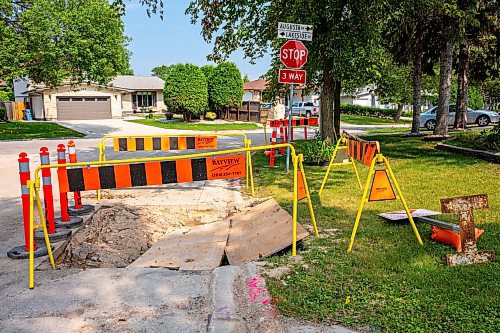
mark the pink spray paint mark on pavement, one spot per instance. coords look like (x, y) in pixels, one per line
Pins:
(258, 293)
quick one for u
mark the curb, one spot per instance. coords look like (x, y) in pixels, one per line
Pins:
(488, 156)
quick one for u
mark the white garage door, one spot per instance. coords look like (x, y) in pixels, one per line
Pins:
(83, 108)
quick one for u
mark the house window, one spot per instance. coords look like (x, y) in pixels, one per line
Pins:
(144, 98)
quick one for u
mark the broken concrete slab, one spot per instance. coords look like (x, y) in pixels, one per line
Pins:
(260, 232)
(200, 248)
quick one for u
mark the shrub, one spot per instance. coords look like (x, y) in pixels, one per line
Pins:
(367, 111)
(316, 151)
(3, 113)
(210, 115)
(482, 140)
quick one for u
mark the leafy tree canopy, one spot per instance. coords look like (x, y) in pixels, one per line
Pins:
(52, 41)
(160, 71)
(226, 86)
(186, 90)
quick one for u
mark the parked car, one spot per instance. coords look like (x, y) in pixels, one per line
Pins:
(266, 106)
(480, 117)
(304, 109)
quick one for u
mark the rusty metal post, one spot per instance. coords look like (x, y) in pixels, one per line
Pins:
(465, 207)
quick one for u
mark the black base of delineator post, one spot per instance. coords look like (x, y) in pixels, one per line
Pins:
(60, 234)
(74, 222)
(86, 209)
(19, 252)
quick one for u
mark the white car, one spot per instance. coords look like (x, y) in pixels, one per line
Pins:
(480, 117)
(304, 109)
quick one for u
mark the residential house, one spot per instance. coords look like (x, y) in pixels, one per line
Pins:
(253, 90)
(120, 97)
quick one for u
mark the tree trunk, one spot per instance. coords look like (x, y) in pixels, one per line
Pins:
(463, 86)
(327, 96)
(446, 62)
(417, 90)
(398, 113)
(336, 109)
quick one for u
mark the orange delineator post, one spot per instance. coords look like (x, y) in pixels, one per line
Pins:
(24, 176)
(47, 191)
(72, 159)
(61, 159)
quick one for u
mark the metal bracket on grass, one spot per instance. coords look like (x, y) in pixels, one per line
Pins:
(465, 207)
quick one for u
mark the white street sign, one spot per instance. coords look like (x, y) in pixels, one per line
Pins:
(295, 31)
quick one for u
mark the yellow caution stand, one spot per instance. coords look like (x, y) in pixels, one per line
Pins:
(377, 188)
(341, 145)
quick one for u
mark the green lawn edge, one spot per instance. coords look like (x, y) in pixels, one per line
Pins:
(198, 126)
(21, 130)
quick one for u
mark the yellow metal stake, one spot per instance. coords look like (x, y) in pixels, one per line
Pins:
(364, 199)
(356, 172)
(309, 203)
(403, 201)
(294, 210)
(31, 246)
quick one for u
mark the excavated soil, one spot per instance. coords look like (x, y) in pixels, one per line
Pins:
(118, 235)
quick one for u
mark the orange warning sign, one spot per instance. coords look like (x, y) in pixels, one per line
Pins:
(381, 187)
(301, 191)
(225, 167)
(206, 142)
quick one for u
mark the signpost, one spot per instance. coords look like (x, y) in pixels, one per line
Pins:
(293, 55)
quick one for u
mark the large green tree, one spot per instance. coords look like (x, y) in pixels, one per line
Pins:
(52, 41)
(186, 90)
(344, 46)
(225, 88)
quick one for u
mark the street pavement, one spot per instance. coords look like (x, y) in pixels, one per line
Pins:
(105, 292)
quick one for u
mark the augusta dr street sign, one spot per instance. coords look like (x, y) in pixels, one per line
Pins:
(295, 31)
(293, 54)
(292, 76)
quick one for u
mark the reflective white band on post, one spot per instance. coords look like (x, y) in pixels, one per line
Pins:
(61, 155)
(47, 180)
(71, 150)
(44, 159)
(24, 167)
(25, 190)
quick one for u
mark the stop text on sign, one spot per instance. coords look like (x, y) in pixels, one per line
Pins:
(292, 76)
(293, 54)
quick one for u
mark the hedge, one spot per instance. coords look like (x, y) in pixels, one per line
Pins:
(367, 111)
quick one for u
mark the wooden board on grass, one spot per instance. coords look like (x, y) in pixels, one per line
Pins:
(201, 248)
(260, 232)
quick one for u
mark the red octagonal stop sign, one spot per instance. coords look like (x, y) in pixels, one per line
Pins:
(293, 54)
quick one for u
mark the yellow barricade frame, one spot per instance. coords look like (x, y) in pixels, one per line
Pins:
(380, 159)
(341, 145)
(34, 188)
(247, 143)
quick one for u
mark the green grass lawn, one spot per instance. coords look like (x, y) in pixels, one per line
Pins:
(363, 120)
(198, 126)
(16, 130)
(389, 283)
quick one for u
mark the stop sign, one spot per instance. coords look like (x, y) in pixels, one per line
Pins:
(293, 54)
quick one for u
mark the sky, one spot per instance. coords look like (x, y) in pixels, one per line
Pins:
(174, 40)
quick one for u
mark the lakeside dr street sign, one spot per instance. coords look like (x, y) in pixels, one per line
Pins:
(295, 31)
(292, 76)
(293, 54)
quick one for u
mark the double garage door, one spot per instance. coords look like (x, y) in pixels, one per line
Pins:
(83, 108)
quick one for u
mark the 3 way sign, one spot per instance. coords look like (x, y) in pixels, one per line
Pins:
(295, 31)
(292, 76)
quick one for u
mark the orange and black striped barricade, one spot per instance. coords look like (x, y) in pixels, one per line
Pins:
(78, 208)
(65, 221)
(119, 174)
(171, 142)
(54, 234)
(22, 251)
(380, 182)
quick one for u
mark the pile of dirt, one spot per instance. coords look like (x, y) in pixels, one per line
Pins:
(118, 235)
